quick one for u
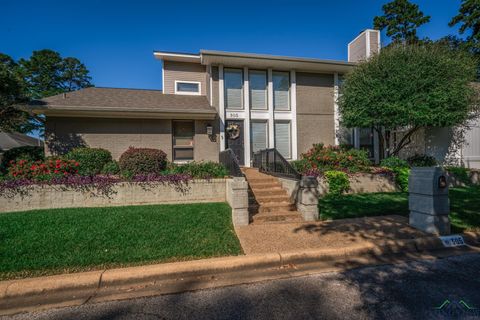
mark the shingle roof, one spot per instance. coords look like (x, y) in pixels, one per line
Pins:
(9, 140)
(128, 100)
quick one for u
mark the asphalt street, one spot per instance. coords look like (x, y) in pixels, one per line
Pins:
(434, 289)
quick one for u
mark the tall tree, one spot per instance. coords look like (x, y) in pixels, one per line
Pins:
(12, 93)
(401, 18)
(407, 88)
(469, 20)
(47, 73)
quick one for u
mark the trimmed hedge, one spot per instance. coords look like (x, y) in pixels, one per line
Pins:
(92, 160)
(422, 160)
(338, 182)
(29, 153)
(142, 161)
(202, 170)
(111, 168)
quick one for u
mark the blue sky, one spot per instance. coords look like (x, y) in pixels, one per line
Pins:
(115, 39)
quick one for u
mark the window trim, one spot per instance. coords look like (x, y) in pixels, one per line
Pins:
(289, 109)
(199, 92)
(242, 98)
(250, 89)
(174, 147)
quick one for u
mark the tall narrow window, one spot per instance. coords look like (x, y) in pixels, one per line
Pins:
(258, 89)
(183, 132)
(283, 140)
(281, 94)
(233, 81)
(259, 135)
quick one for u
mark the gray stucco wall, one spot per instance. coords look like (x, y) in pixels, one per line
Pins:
(315, 110)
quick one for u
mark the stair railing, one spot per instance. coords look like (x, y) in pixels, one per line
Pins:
(229, 160)
(270, 161)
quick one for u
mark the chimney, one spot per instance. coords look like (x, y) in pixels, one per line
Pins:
(364, 45)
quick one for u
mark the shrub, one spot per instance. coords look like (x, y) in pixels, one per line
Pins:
(338, 182)
(394, 162)
(401, 177)
(42, 170)
(461, 174)
(203, 170)
(29, 153)
(324, 158)
(92, 160)
(111, 168)
(143, 161)
(422, 160)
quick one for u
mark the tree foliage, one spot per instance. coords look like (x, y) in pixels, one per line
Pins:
(469, 20)
(409, 87)
(44, 74)
(401, 18)
(47, 73)
(12, 92)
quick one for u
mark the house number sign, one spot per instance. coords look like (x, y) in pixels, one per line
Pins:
(234, 115)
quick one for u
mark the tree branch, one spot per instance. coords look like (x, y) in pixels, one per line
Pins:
(406, 139)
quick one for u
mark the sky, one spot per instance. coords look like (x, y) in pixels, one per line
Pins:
(116, 39)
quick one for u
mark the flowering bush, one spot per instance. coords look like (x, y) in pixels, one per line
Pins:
(322, 158)
(143, 161)
(42, 170)
(29, 153)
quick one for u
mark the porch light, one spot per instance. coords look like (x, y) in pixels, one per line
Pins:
(209, 129)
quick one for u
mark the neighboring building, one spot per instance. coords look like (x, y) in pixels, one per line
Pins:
(211, 101)
(10, 140)
(215, 100)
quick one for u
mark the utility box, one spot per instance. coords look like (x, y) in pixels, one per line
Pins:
(428, 200)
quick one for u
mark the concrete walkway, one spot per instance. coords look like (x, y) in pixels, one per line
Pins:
(286, 237)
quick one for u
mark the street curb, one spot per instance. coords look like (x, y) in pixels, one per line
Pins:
(79, 288)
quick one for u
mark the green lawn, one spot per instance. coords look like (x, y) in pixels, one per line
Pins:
(464, 203)
(66, 240)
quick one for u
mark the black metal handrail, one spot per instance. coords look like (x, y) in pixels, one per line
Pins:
(229, 160)
(272, 162)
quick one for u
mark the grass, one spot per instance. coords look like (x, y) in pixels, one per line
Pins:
(41, 242)
(464, 204)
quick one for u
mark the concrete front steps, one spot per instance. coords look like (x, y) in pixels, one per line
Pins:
(268, 201)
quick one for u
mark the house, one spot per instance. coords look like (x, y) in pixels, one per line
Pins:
(211, 101)
(214, 100)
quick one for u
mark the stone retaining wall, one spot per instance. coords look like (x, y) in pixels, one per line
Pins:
(359, 183)
(124, 194)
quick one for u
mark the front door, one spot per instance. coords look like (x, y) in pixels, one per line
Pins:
(234, 136)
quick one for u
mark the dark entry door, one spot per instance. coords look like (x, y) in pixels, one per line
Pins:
(234, 136)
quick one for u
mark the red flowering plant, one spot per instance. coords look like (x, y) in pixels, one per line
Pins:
(42, 170)
(322, 158)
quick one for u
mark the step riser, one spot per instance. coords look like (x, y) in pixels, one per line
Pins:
(263, 209)
(264, 186)
(266, 193)
(272, 199)
(271, 219)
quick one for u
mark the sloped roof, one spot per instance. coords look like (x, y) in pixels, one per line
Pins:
(124, 100)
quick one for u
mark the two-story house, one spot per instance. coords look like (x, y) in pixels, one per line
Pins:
(211, 101)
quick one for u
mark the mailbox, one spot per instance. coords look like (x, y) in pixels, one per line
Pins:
(428, 200)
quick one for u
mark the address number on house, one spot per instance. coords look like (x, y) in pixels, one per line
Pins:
(452, 241)
(233, 115)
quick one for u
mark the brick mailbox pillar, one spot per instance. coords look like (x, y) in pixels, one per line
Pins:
(428, 200)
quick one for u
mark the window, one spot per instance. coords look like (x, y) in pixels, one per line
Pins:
(183, 132)
(281, 94)
(258, 89)
(259, 135)
(233, 81)
(187, 87)
(283, 139)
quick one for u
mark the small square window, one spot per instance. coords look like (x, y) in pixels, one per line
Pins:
(187, 87)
